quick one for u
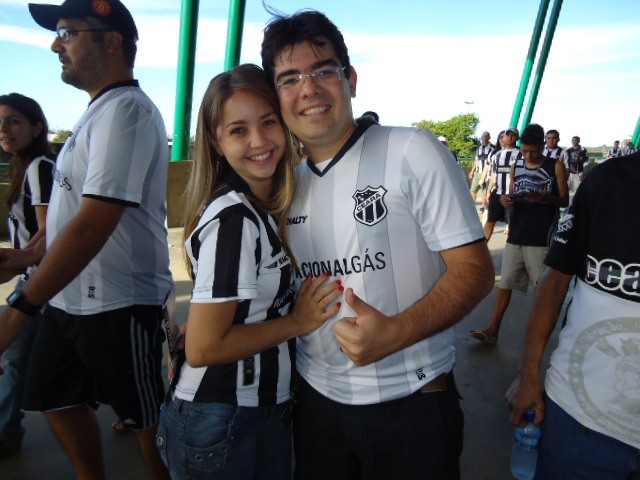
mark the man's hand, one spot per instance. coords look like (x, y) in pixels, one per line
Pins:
(537, 197)
(525, 393)
(506, 201)
(369, 336)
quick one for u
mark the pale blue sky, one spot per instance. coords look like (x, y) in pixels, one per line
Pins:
(416, 59)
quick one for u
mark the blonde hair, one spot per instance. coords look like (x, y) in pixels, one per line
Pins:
(208, 166)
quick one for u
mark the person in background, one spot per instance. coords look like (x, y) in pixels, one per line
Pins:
(501, 163)
(106, 269)
(386, 210)
(224, 416)
(479, 171)
(589, 407)
(630, 148)
(370, 116)
(537, 190)
(443, 140)
(615, 151)
(551, 147)
(23, 133)
(577, 158)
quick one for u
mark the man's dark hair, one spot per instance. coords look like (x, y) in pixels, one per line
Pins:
(310, 26)
(129, 47)
(533, 134)
(553, 131)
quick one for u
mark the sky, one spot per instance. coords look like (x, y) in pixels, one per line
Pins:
(416, 60)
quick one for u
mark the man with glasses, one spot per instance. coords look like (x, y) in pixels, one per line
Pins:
(106, 270)
(386, 210)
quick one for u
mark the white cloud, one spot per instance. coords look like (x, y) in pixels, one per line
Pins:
(589, 87)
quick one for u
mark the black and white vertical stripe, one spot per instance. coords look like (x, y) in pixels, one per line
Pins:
(145, 374)
(237, 255)
(35, 191)
(501, 165)
(482, 156)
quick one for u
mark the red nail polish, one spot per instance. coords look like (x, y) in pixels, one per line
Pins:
(327, 274)
(339, 282)
(339, 304)
(341, 289)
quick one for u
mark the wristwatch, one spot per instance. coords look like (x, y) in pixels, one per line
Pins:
(17, 301)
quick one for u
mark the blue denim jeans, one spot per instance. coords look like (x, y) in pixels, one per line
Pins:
(221, 441)
(570, 451)
(15, 362)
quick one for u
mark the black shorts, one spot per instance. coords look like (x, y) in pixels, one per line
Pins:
(496, 212)
(113, 357)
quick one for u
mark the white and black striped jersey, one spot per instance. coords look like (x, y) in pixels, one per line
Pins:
(615, 153)
(555, 153)
(501, 163)
(117, 152)
(35, 191)
(483, 153)
(376, 218)
(236, 254)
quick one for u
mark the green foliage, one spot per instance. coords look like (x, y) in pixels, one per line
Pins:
(459, 131)
(61, 136)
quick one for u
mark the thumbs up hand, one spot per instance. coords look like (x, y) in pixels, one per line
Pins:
(369, 336)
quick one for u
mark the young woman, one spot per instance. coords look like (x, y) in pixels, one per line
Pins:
(226, 415)
(23, 133)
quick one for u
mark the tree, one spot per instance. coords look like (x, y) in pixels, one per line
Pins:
(459, 130)
(60, 136)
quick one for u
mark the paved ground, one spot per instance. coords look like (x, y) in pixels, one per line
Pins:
(483, 374)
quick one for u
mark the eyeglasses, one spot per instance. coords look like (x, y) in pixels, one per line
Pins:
(323, 75)
(66, 34)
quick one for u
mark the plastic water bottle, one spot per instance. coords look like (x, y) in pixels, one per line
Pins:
(524, 454)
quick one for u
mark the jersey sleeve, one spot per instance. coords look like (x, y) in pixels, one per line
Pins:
(570, 244)
(124, 141)
(228, 257)
(437, 193)
(40, 178)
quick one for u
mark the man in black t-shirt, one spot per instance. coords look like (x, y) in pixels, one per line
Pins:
(577, 159)
(589, 411)
(537, 189)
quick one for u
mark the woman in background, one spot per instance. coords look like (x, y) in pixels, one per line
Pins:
(23, 133)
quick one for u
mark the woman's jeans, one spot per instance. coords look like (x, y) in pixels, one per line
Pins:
(223, 441)
(15, 362)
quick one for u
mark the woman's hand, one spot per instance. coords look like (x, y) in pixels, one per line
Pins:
(315, 295)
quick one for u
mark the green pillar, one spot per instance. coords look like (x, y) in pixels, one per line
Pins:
(542, 62)
(636, 134)
(184, 85)
(234, 33)
(528, 65)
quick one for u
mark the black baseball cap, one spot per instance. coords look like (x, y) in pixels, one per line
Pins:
(111, 12)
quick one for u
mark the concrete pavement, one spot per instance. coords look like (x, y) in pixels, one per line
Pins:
(483, 374)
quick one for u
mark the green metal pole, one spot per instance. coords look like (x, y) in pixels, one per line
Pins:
(184, 84)
(528, 65)
(234, 33)
(542, 62)
(636, 134)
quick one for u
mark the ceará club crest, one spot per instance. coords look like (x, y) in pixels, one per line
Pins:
(370, 207)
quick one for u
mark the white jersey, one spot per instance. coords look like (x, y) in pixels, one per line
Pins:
(35, 191)
(236, 254)
(117, 152)
(376, 218)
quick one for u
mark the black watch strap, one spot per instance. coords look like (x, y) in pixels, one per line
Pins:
(16, 300)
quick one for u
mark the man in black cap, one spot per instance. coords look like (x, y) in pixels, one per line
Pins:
(106, 270)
